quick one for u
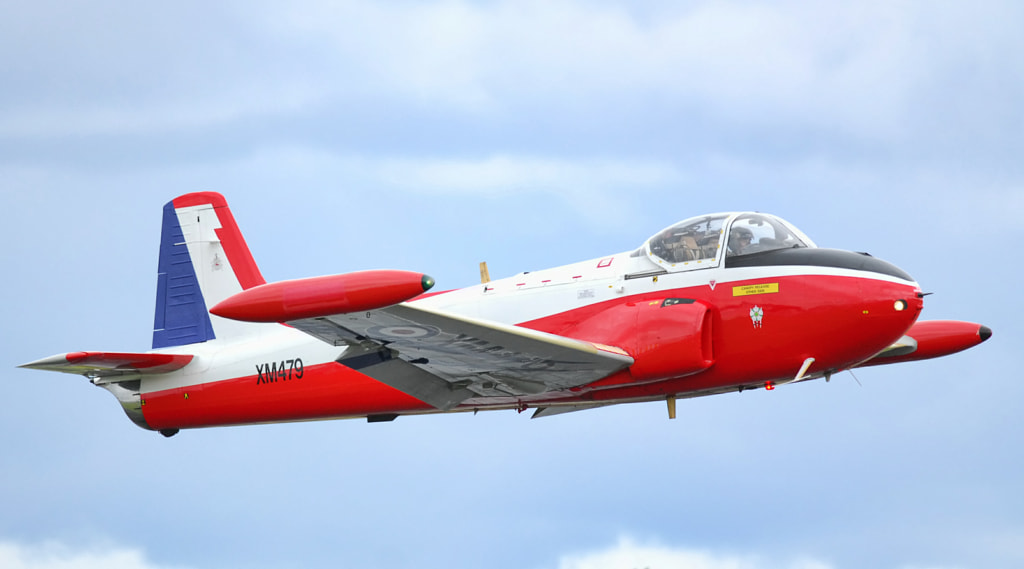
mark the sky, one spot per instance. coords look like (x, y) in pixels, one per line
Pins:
(430, 136)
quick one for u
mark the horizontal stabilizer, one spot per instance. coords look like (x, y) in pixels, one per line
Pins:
(109, 365)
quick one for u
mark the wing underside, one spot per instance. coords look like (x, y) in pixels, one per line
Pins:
(444, 359)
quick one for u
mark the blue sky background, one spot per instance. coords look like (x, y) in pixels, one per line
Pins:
(433, 135)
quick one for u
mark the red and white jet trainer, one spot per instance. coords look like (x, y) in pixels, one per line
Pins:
(714, 304)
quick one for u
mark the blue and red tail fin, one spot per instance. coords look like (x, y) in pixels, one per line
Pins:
(203, 260)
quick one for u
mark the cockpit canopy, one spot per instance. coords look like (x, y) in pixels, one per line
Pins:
(701, 242)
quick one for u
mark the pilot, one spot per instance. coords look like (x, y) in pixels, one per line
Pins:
(739, 239)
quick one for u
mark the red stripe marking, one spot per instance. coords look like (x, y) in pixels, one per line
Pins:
(324, 391)
(230, 236)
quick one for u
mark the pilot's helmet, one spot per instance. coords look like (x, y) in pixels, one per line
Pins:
(742, 233)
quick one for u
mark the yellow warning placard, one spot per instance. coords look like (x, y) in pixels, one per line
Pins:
(763, 288)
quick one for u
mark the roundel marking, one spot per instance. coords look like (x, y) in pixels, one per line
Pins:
(410, 331)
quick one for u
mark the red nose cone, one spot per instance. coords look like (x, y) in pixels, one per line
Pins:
(323, 296)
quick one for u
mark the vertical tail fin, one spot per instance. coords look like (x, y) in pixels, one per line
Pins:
(203, 260)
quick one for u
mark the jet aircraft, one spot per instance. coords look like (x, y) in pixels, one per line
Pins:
(714, 304)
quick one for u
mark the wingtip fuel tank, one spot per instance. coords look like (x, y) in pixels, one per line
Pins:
(285, 301)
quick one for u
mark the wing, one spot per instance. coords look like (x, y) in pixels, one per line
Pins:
(444, 359)
(111, 366)
(905, 345)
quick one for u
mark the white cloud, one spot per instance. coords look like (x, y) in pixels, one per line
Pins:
(503, 173)
(859, 68)
(605, 191)
(51, 555)
(627, 554)
(174, 112)
(486, 175)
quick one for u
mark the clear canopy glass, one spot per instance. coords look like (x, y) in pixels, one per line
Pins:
(700, 242)
(755, 232)
(697, 240)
